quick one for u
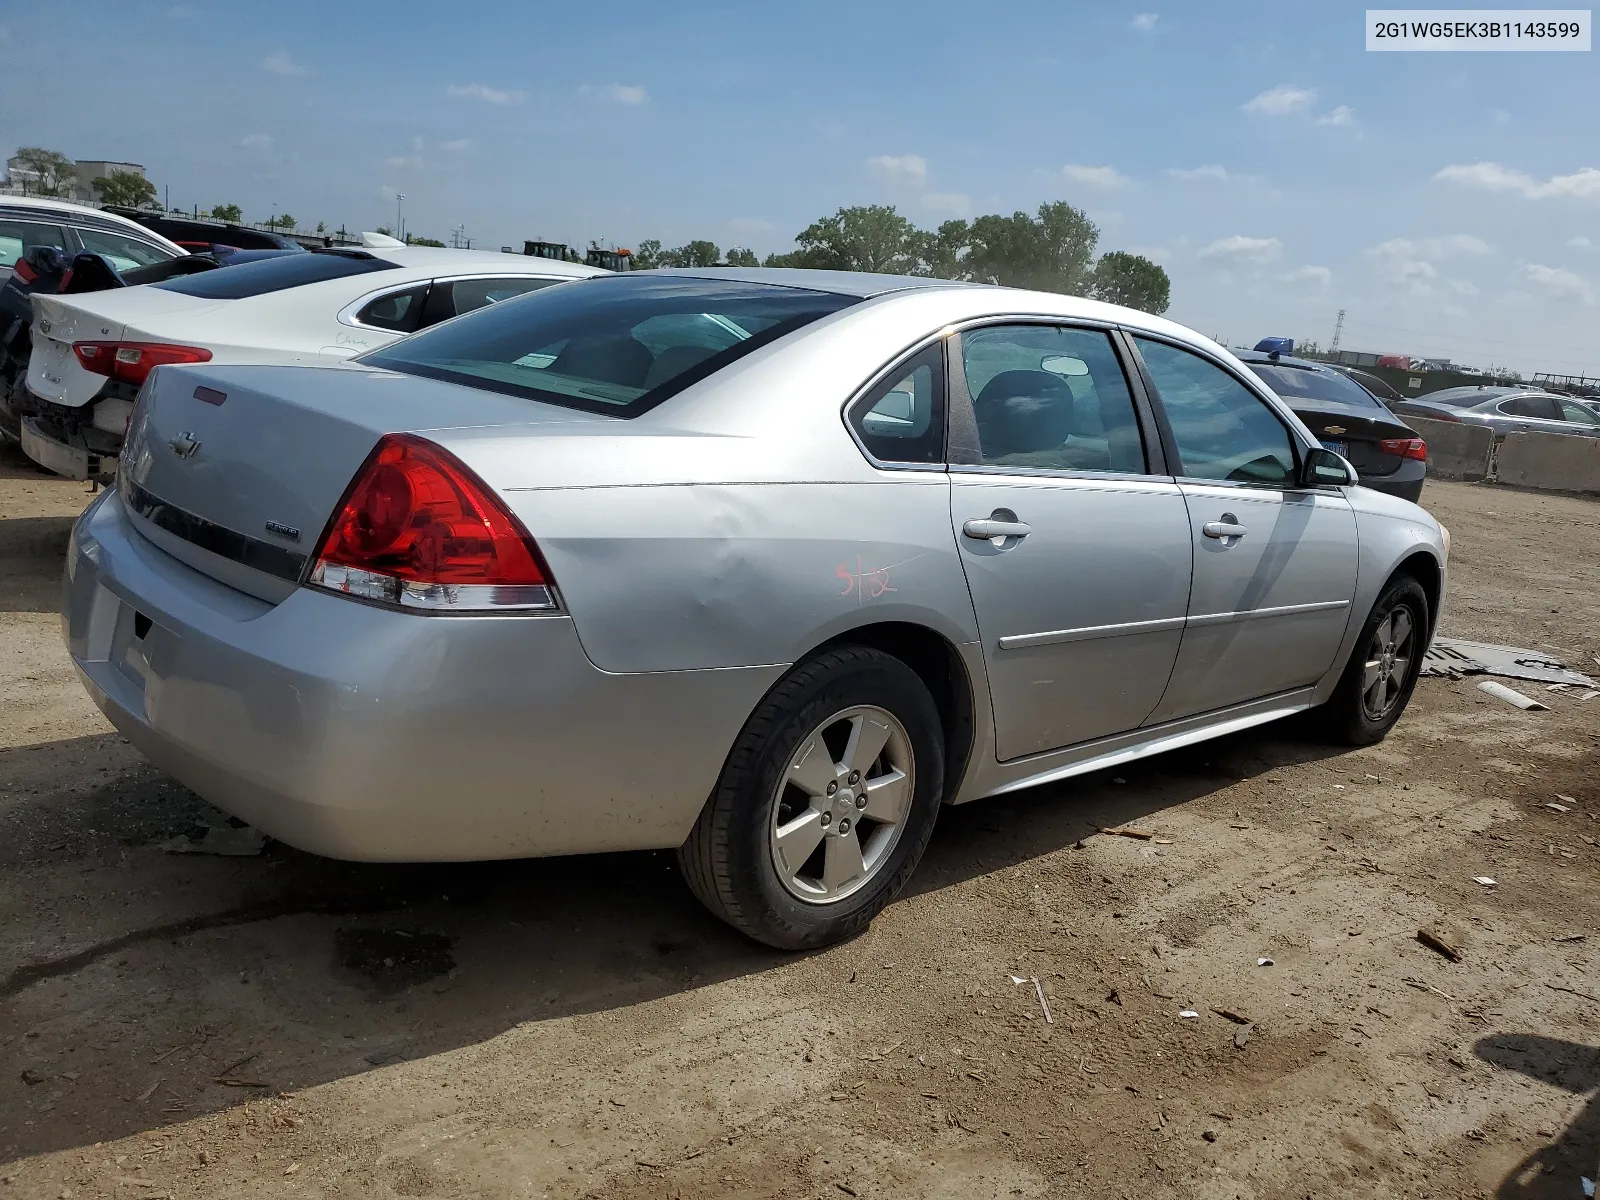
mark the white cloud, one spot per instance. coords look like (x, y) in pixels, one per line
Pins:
(1145, 22)
(1100, 177)
(489, 95)
(457, 146)
(1584, 183)
(746, 226)
(1210, 171)
(1435, 247)
(1559, 283)
(1239, 248)
(1342, 117)
(1580, 243)
(1462, 287)
(628, 94)
(1308, 274)
(256, 141)
(279, 63)
(911, 169)
(408, 162)
(1280, 101)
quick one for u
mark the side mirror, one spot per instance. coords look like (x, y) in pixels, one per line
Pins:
(1324, 468)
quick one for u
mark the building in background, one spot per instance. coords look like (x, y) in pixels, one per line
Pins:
(23, 179)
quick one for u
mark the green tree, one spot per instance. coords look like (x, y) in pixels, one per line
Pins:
(126, 188)
(322, 227)
(1049, 253)
(738, 256)
(648, 256)
(227, 212)
(943, 251)
(285, 221)
(48, 172)
(699, 253)
(870, 237)
(385, 230)
(1132, 281)
(413, 240)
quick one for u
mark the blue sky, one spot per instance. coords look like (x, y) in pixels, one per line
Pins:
(1449, 202)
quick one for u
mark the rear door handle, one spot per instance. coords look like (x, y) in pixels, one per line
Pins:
(988, 528)
(1228, 527)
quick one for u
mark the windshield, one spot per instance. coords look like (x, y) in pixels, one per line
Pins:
(618, 346)
(1297, 383)
(274, 275)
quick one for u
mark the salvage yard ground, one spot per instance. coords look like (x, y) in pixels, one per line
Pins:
(279, 1025)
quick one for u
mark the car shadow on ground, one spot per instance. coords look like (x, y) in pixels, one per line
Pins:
(33, 551)
(1553, 1170)
(178, 964)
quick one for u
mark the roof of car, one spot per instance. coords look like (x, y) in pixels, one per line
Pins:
(48, 209)
(1280, 360)
(842, 283)
(444, 258)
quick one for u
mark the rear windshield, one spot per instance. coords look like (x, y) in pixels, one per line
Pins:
(618, 346)
(1296, 383)
(274, 275)
(1456, 398)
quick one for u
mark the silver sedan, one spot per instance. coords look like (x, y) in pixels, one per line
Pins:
(1505, 410)
(767, 566)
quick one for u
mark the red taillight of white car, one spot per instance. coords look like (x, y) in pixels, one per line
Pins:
(132, 362)
(418, 530)
(1405, 448)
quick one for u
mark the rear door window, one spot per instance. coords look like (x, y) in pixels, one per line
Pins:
(1543, 408)
(18, 237)
(276, 274)
(125, 252)
(469, 295)
(1050, 398)
(617, 345)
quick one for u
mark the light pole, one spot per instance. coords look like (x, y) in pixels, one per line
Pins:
(399, 216)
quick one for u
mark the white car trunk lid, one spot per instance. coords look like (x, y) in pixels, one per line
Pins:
(54, 373)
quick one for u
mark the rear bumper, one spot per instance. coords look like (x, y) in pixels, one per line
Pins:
(1406, 482)
(360, 733)
(75, 461)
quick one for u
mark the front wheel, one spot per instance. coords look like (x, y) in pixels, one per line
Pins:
(1383, 668)
(825, 804)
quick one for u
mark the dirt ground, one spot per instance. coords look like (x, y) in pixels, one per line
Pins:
(186, 1025)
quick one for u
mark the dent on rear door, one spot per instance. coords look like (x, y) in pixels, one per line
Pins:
(727, 575)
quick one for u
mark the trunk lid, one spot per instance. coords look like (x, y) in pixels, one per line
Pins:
(54, 373)
(1358, 431)
(236, 470)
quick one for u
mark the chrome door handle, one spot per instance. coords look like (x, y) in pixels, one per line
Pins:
(1228, 527)
(988, 528)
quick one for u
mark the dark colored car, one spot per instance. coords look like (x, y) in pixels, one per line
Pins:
(1349, 420)
(202, 233)
(1378, 387)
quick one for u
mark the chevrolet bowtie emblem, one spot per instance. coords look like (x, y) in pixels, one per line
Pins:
(1334, 429)
(184, 445)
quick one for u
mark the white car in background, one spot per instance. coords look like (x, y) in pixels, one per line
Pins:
(93, 351)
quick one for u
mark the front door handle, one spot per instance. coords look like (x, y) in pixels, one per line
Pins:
(988, 529)
(1228, 527)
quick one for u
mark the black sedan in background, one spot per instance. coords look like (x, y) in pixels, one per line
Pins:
(1349, 420)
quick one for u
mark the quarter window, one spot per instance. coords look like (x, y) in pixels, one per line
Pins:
(1049, 398)
(902, 419)
(1223, 430)
(396, 312)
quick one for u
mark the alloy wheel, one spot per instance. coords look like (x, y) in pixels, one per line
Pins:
(842, 804)
(1388, 661)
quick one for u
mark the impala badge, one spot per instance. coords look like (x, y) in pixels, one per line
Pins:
(288, 531)
(184, 445)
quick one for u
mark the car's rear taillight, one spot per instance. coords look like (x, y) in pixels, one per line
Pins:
(418, 530)
(1405, 448)
(132, 362)
(23, 269)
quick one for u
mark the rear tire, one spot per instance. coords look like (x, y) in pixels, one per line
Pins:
(825, 805)
(1382, 672)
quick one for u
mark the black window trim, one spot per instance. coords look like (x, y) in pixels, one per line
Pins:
(347, 314)
(959, 397)
(1257, 388)
(887, 374)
